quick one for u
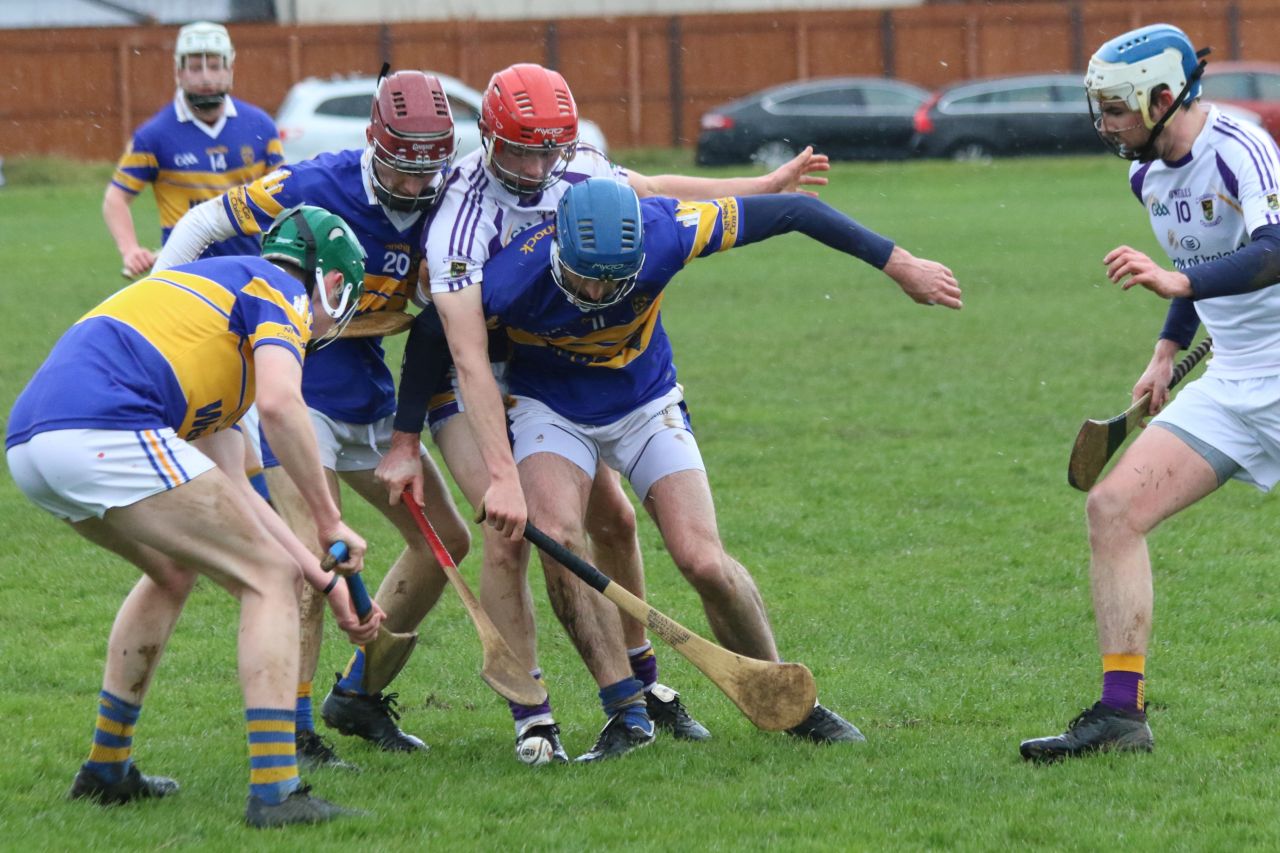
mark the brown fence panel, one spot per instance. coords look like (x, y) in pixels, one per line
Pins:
(644, 79)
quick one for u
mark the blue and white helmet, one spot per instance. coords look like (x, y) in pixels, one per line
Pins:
(1129, 68)
(600, 236)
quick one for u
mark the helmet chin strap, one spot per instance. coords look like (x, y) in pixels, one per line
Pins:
(1147, 151)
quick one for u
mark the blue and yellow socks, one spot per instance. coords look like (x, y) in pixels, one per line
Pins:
(626, 697)
(110, 756)
(1123, 682)
(273, 766)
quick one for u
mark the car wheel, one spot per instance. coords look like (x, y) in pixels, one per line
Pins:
(971, 151)
(773, 154)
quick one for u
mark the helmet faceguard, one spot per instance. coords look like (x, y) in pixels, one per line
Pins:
(599, 243)
(1131, 68)
(319, 242)
(204, 39)
(411, 133)
(528, 127)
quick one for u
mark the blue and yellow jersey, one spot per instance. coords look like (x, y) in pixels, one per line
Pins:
(348, 380)
(187, 162)
(595, 367)
(174, 350)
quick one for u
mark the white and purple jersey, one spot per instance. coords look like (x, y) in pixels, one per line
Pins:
(1203, 208)
(478, 216)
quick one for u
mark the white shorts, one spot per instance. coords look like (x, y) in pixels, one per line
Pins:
(646, 445)
(1238, 417)
(347, 447)
(79, 473)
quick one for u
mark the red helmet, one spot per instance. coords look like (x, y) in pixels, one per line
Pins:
(529, 127)
(411, 132)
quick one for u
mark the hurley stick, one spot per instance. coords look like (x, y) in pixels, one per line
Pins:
(1098, 441)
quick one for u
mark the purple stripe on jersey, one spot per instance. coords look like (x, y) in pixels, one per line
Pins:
(1250, 145)
(173, 457)
(1135, 181)
(194, 293)
(469, 210)
(1228, 177)
(150, 458)
(481, 188)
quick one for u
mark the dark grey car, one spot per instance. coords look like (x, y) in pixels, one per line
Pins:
(1035, 114)
(846, 118)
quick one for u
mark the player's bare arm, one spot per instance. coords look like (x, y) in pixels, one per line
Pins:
(286, 424)
(1128, 267)
(926, 282)
(793, 176)
(198, 229)
(462, 313)
(116, 214)
(225, 448)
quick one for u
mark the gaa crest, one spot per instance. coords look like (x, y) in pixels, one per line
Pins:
(1209, 209)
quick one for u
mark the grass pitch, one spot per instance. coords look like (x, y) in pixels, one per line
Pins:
(893, 475)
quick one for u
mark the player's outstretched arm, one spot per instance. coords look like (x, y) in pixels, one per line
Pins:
(795, 175)
(288, 427)
(199, 227)
(926, 282)
(225, 448)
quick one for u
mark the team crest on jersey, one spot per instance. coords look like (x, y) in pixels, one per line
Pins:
(302, 304)
(246, 154)
(1209, 209)
(640, 302)
(1273, 201)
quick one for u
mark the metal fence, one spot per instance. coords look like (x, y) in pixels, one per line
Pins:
(646, 80)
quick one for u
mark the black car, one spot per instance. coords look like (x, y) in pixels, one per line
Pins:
(1036, 114)
(846, 118)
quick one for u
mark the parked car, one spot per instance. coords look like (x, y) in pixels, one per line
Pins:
(332, 114)
(1033, 114)
(1251, 85)
(846, 118)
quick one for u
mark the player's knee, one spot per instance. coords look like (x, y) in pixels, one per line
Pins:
(277, 580)
(1106, 507)
(502, 557)
(706, 567)
(614, 526)
(175, 583)
(457, 541)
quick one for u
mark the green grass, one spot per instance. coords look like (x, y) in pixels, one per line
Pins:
(893, 475)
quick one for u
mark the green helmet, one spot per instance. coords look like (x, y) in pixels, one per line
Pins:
(312, 238)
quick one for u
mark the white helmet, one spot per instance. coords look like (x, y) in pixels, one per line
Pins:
(1129, 67)
(204, 37)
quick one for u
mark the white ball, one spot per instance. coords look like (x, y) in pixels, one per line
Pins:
(534, 751)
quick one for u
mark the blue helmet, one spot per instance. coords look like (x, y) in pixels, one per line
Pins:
(600, 237)
(1131, 66)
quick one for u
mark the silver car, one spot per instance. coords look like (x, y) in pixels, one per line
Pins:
(321, 115)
